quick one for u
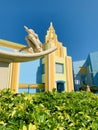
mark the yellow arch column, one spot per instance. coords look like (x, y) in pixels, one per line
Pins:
(70, 86)
(15, 77)
(50, 72)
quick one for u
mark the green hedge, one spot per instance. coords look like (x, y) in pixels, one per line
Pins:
(48, 111)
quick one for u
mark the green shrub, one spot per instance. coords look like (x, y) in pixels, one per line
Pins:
(48, 111)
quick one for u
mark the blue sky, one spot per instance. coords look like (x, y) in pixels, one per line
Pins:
(75, 22)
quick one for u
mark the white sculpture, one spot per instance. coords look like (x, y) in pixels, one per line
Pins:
(34, 44)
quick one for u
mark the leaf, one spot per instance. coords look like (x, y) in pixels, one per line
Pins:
(32, 127)
(2, 123)
(61, 128)
(24, 127)
(13, 112)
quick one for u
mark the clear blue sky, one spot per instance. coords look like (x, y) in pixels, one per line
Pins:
(75, 22)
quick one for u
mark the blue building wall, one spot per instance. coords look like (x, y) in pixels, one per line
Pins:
(77, 65)
(91, 66)
(88, 65)
(76, 68)
(94, 63)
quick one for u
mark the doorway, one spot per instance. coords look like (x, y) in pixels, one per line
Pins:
(60, 86)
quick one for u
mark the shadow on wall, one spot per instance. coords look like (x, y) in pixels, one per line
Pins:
(96, 79)
(39, 73)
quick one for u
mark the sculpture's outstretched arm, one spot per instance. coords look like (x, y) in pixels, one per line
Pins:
(26, 29)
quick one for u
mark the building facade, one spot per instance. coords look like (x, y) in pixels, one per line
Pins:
(52, 71)
(57, 65)
(86, 71)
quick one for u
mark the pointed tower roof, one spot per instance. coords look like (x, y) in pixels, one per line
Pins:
(51, 28)
(51, 35)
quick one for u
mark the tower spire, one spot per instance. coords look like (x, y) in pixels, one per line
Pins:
(51, 24)
(51, 35)
(51, 27)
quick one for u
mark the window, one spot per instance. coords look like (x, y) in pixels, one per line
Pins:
(59, 68)
(77, 82)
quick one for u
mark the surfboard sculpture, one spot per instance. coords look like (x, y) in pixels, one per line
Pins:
(34, 49)
(23, 57)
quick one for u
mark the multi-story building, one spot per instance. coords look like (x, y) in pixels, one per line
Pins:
(57, 65)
